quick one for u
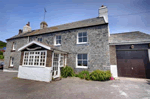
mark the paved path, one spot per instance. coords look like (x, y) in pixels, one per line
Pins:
(72, 88)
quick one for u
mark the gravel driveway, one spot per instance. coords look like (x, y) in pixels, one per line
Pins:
(72, 88)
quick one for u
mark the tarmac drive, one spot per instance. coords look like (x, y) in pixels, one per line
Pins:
(72, 88)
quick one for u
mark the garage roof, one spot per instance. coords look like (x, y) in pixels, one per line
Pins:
(135, 37)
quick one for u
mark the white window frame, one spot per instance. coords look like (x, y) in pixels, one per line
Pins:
(55, 40)
(77, 62)
(34, 58)
(82, 36)
(11, 60)
(14, 46)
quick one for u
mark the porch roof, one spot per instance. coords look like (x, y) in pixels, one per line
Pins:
(46, 46)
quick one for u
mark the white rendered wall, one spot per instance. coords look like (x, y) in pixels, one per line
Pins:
(149, 54)
(35, 73)
(113, 69)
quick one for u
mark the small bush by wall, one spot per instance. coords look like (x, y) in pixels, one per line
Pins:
(67, 72)
(84, 75)
(99, 75)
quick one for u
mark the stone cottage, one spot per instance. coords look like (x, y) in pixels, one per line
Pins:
(83, 45)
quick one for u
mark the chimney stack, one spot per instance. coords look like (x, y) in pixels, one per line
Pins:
(27, 28)
(103, 12)
(20, 31)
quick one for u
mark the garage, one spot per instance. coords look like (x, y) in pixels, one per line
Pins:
(133, 60)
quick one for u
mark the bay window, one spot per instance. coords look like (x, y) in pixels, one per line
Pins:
(34, 58)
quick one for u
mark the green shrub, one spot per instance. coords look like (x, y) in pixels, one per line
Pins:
(1, 57)
(108, 75)
(1, 53)
(99, 75)
(67, 72)
(76, 75)
(84, 75)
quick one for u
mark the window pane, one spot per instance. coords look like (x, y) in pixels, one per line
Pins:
(84, 56)
(59, 41)
(84, 34)
(59, 37)
(84, 39)
(79, 56)
(79, 63)
(84, 63)
(80, 39)
(80, 34)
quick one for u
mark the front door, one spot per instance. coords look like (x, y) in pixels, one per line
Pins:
(56, 65)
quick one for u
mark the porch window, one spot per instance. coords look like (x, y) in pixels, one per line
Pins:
(82, 61)
(34, 58)
(82, 38)
(62, 60)
(58, 40)
(11, 61)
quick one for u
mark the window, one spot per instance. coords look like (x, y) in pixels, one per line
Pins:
(58, 40)
(82, 38)
(34, 58)
(39, 39)
(14, 46)
(61, 60)
(82, 61)
(11, 61)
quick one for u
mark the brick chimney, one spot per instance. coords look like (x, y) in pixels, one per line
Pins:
(103, 12)
(20, 31)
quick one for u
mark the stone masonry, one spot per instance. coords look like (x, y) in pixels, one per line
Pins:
(17, 55)
(97, 47)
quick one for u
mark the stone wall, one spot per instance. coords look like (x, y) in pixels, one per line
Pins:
(97, 47)
(113, 58)
(17, 55)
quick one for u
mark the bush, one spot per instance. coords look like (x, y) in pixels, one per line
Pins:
(1, 53)
(108, 75)
(1, 57)
(67, 72)
(84, 75)
(99, 75)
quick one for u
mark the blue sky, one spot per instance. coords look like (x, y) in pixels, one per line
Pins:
(14, 14)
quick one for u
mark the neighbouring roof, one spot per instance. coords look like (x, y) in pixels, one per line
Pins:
(134, 37)
(73, 25)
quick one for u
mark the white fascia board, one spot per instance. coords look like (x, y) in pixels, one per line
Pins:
(34, 42)
(126, 43)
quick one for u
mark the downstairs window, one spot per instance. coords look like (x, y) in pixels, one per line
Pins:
(34, 58)
(82, 61)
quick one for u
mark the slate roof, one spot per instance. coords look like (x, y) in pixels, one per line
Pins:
(73, 25)
(134, 37)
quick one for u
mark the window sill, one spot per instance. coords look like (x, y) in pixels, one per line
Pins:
(57, 45)
(86, 67)
(11, 66)
(83, 43)
(34, 66)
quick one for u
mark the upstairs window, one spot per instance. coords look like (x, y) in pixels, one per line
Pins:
(14, 46)
(39, 39)
(58, 40)
(11, 61)
(82, 38)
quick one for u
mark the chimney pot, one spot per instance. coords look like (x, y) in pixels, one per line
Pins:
(20, 31)
(102, 6)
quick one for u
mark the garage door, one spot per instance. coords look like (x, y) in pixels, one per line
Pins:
(132, 63)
